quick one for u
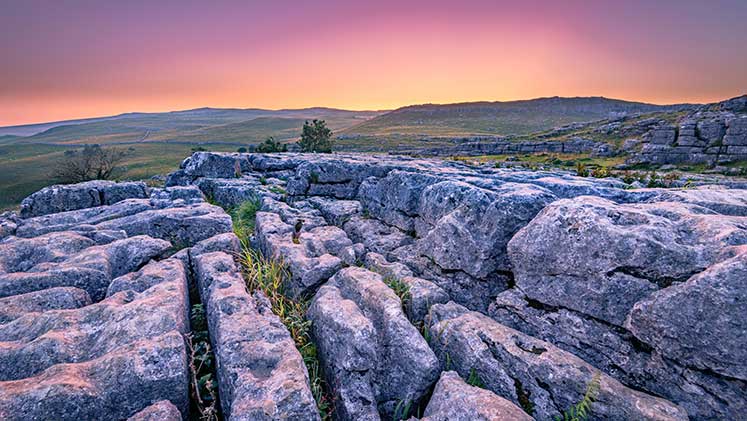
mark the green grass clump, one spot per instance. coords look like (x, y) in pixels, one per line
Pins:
(243, 217)
(400, 288)
(474, 379)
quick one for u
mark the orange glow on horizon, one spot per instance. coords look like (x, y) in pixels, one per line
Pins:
(362, 58)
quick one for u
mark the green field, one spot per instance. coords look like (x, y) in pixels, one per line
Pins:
(27, 168)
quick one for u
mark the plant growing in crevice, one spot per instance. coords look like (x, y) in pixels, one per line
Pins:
(402, 410)
(581, 170)
(203, 388)
(582, 410)
(523, 397)
(270, 277)
(474, 379)
(243, 217)
(400, 288)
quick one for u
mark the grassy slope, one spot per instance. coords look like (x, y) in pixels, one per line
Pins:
(494, 118)
(210, 125)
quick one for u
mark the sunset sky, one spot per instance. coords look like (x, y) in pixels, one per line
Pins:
(63, 59)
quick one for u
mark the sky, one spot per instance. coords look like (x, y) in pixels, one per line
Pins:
(65, 59)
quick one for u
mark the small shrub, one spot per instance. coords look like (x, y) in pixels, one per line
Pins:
(628, 178)
(270, 145)
(654, 180)
(263, 180)
(241, 150)
(670, 178)
(600, 172)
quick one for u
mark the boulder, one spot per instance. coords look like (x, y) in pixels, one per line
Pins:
(467, 228)
(697, 322)
(370, 352)
(115, 385)
(541, 378)
(455, 400)
(599, 258)
(62, 198)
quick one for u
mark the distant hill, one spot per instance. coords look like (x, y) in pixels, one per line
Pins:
(199, 125)
(499, 118)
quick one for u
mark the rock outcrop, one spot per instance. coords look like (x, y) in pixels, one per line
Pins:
(585, 267)
(372, 355)
(94, 309)
(471, 291)
(455, 400)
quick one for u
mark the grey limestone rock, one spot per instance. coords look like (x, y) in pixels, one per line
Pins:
(261, 375)
(541, 378)
(454, 400)
(58, 298)
(372, 355)
(62, 198)
(159, 411)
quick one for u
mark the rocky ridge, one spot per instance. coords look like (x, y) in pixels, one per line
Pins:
(468, 292)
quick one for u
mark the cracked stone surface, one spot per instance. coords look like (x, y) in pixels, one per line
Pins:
(421, 274)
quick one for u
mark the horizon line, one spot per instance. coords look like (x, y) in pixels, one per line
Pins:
(358, 110)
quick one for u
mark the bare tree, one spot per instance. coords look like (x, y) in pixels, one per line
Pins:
(90, 163)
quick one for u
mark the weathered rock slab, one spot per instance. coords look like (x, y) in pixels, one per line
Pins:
(261, 375)
(454, 400)
(542, 379)
(372, 355)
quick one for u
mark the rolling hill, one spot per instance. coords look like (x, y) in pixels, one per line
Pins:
(498, 118)
(243, 126)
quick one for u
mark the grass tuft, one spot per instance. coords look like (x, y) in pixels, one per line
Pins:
(270, 276)
(243, 217)
(400, 288)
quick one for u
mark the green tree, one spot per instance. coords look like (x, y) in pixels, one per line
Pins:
(316, 137)
(270, 145)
